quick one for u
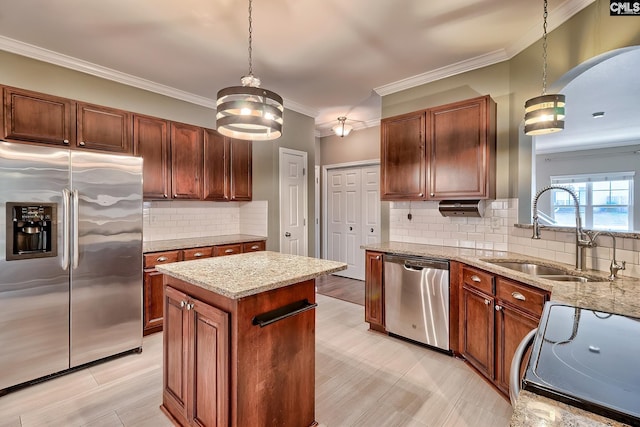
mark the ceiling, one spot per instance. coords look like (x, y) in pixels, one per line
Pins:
(326, 58)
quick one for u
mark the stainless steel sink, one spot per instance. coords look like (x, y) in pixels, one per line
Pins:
(543, 271)
(531, 268)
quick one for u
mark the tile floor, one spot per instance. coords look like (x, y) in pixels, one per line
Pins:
(362, 379)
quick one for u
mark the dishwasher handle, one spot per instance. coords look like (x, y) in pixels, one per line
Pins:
(417, 263)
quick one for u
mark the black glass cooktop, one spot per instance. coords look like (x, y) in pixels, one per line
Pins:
(588, 359)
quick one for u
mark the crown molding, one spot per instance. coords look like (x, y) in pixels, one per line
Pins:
(55, 58)
(556, 18)
(443, 72)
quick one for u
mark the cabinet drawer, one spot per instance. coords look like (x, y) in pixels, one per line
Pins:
(478, 279)
(524, 297)
(197, 253)
(227, 250)
(253, 246)
(156, 258)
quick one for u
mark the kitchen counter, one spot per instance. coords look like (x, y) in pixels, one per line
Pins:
(247, 325)
(198, 242)
(250, 273)
(621, 296)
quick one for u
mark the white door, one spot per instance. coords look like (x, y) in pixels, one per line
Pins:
(353, 216)
(293, 202)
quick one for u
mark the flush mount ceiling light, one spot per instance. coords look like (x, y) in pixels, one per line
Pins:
(342, 129)
(545, 113)
(248, 111)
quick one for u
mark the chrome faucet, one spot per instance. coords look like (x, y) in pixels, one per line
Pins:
(583, 240)
(615, 266)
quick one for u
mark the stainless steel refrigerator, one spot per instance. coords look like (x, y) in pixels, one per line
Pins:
(70, 259)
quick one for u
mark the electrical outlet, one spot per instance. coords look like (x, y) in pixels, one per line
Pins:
(495, 222)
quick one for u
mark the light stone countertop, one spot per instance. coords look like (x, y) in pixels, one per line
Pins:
(241, 275)
(198, 242)
(621, 296)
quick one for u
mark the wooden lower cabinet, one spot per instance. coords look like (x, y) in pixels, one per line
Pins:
(152, 289)
(374, 291)
(224, 367)
(152, 280)
(196, 361)
(495, 315)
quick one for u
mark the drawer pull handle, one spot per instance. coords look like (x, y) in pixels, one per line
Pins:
(476, 279)
(518, 296)
(162, 259)
(255, 247)
(198, 254)
(228, 251)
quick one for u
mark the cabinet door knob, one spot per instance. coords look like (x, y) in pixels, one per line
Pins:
(498, 307)
(433, 194)
(165, 196)
(183, 304)
(518, 296)
(475, 279)
(175, 196)
(377, 258)
(162, 259)
(66, 141)
(420, 194)
(486, 302)
(82, 143)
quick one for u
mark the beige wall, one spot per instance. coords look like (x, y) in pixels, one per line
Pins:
(357, 146)
(51, 79)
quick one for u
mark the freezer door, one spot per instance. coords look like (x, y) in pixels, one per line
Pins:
(106, 260)
(34, 293)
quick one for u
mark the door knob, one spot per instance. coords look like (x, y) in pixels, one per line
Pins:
(350, 228)
(287, 234)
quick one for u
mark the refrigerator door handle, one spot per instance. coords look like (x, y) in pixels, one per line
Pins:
(66, 200)
(76, 255)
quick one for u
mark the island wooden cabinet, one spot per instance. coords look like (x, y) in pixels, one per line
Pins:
(495, 315)
(151, 142)
(196, 361)
(227, 168)
(239, 362)
(36, 117)
(374, 291)
(441, 153)
(103, 128)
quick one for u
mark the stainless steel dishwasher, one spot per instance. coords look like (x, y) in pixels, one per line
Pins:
(416, 298)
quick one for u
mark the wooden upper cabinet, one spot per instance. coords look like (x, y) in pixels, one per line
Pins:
(402, 166)
(227, 168)
(186, 161)
(241, 169)
(36, 117)
(216, 166)
(151, 142)
(103, 128)
(461, 150)
(442, 153)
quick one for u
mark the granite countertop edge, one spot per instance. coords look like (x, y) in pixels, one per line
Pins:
(264, 271)
(198, 242)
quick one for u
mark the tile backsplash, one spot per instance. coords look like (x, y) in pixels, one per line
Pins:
(495, 231)
(186, 219)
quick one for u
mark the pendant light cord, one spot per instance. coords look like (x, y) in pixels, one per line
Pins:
(544, 49)
(251, 38)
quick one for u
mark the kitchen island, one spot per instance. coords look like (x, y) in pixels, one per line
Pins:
(239, 339)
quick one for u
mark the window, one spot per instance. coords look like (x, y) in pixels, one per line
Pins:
(606, 200)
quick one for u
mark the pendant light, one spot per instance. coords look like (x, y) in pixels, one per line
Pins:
(545, 113)
(248, 111)
(342, 129)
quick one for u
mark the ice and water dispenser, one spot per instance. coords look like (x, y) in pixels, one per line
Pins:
(31, 231)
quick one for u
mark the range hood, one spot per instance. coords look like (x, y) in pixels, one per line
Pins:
(461, 208)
